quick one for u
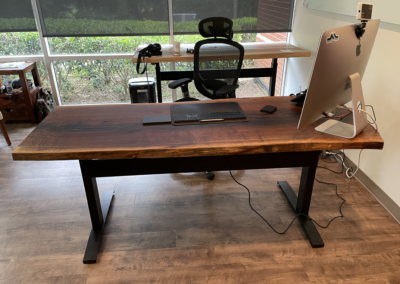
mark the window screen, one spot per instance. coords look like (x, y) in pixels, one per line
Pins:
(249, 16)
(16, 16)
(150, 17)
(76, 18)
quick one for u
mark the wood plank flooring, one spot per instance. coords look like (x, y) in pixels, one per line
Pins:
(183, 228)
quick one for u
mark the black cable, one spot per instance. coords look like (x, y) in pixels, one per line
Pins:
(373, 111)
(340, 206)
(280, 233)
(332, 170)
(343, 117)
(326, 161)
(297, 215)
(344, 158)
(148, 83)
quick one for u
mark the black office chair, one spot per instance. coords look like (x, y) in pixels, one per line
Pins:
(217, 63)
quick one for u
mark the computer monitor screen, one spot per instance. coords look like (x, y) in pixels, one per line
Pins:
(340, 55)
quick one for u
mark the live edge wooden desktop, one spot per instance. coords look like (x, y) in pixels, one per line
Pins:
(110, 140)
(252, 50)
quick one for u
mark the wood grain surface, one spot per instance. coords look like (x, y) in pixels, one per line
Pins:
(25, 67)
(183, 228)
(252, 50)
(116, 132)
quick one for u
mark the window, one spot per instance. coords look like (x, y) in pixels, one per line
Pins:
(89, 43)
(100, 81)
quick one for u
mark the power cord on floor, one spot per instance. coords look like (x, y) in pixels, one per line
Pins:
(298, 215)
(340, 206)
(349, 170)
(335, 172)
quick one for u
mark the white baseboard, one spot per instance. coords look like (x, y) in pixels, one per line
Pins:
(377, 192)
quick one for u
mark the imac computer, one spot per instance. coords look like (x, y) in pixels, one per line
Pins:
(336, 79)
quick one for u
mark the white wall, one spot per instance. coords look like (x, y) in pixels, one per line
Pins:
(381, 86)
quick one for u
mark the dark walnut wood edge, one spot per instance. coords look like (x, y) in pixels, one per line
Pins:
(22, 154)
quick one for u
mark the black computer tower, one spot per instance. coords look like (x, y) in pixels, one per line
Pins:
(142, 91)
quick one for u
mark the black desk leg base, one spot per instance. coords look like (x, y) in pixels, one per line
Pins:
(308, 225)
(95, 235)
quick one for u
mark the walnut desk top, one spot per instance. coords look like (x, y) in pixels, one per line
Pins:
(116, 132)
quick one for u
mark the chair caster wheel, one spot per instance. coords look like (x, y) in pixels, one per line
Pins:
(210, 176)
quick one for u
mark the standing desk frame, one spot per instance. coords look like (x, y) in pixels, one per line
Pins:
(220, 74)
(110, 140)
(91, 169)
(253, 50)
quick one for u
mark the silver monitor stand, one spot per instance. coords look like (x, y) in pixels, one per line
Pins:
(360, 122)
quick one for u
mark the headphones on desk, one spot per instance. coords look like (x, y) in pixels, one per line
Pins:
(151, 50)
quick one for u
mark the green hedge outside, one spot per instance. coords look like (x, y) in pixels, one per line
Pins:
(81, 26)
(102, 75)
(17, 24)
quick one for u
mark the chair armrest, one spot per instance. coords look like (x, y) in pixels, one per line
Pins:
(178, 83)
(227, 89)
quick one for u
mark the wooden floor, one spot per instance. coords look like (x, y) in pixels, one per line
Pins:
(182, 228)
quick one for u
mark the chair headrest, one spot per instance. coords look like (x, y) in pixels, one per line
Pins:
(216, 27)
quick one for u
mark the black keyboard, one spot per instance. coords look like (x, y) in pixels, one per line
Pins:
(212, 116)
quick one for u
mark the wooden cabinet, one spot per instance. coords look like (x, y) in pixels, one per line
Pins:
(21, 106)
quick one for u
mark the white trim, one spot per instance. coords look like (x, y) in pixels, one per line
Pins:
(46, 53)
(21, 58)
(171, 41)
(102, 56)
(283, 86)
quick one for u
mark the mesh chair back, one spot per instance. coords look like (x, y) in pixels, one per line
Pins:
(217, 63)
(216, 27)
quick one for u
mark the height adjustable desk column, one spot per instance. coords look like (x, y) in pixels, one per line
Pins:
(252, 50)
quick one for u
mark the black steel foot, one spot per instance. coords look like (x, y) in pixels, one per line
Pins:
(95, 236)
(308, 225)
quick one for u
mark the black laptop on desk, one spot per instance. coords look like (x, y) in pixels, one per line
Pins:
(200, 113)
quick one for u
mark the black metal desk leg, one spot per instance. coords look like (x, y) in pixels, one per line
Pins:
(301, 203)
(272, 81)
(98, 214)
(158, 79)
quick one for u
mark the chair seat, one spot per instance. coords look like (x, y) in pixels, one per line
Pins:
(214, 85)
(187, 99)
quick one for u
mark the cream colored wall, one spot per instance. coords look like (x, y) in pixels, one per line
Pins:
(381, 86)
